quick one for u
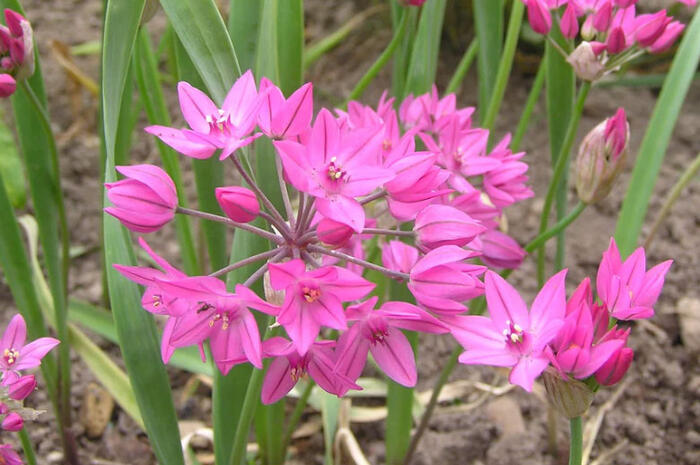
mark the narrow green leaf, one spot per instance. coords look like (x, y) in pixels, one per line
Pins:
(243, 25)
(11, 167)
(147, 74)
(560, 82)
(202, 31)
(135, 327)
(488, 23)
(290, 44)
(426, 48)
(330, 407)
(657, 137)
(402, 57)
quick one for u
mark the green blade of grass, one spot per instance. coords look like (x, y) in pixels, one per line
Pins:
(426, 47)
(151, 93)
(243, 24)
(488, 23)
(290, 44)
(657, 137)
(136, 328)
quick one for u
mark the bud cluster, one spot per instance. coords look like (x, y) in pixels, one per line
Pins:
(611, 31)
(16, 52)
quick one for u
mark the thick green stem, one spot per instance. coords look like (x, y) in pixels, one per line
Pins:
(576, 441)
(559, 169)
(27, 446)
(532, 100)
(505, 65)
(382, 60)
(463, 67)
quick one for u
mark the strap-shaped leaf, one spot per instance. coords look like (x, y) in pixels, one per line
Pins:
(488, 23)
(136, 328)
(426, 48)
(656, 139)
(243, 24)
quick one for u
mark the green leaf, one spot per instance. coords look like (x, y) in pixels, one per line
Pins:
(426, 48)
(202, 31)
(11, 167)
(488, 23)
(330, 407)
(151, 93)
(243, 24)
(290, 44)
(135, 327)
(657, 137)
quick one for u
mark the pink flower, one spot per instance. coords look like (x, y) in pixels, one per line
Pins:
(239, 204)
(314, 298)
(18, 387)
(379, 332)
(512, 336)
(214, 128)
(289, 366)
(399, 256)
(498, 250)
(505, 185)
(576, 350)
(333, 233)
(12, 422)
(439, 225)
(627, 290)
(221, 316)
(335, 168)
(612, 371)
(539, 16)
(9, 456)
(428, 112)
(441, 280)
(281, 118)
(15, 355)
(145, 201)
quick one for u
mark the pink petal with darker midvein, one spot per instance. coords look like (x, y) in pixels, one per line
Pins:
(395, 356)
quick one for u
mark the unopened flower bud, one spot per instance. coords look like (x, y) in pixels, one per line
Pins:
(8, 85)
(438, 225)
(333, 233)
(615, 368)
(21, 44)
(145, 201)
(601, 158)
(539, 16)
(12, 422)
(500, 250)
(586, 64)
(399, 256)
(239, 204)
(569, 22)
(20, 389)
(570, 397)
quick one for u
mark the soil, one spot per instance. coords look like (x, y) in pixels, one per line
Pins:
(656, 420)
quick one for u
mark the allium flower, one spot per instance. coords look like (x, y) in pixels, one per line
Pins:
(289, 366)
(214, 128)
(498, 250)
(9, 456)
(145, 201)
(439, 225)
(335, 168)
(511, 336)
(399, 256)
(314, 298)
(15, 355)
(441, 280)
(18, 387)
(627, 290)
(281, 118)
(506, 184)
(379, 332)
(12, 422)
(17, 46)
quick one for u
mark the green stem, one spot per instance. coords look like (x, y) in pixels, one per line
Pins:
(250, 403)
(532, 100)
(463, 67)
(559, 169)
(685, 178)
(576, 441)
(296, 414)
(381, 61)
(561, 225)
(505, 65)
(27, 446)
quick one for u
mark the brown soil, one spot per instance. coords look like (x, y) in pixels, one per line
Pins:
(656, 419)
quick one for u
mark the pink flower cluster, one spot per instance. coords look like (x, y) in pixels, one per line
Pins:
(17, 356)
(16, 52)
(578, 337)
(358, 176)
(612, 31)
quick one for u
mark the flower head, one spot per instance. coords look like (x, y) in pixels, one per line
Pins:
(15, 355)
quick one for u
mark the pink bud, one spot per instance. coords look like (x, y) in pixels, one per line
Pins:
(651, 28)
(617, 40)
(14, 22)
(8, 85)
(615, 368)
(587, 30)
(603, 17)
(239, 204)
(601, 158)
(3, 408)
(20, 389)
(569, 22)
(399, 256)
(145, 201)
(668, 38)
(438, 225)
(12, 422)
(333, 233)
(539, 16)
(500, 250)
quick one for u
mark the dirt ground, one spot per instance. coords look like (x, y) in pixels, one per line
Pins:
(656, 420)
